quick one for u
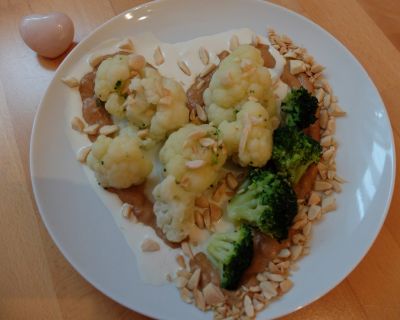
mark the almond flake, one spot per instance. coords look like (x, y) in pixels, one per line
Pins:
(284, 253)
(136, 61)
(83, 153)
(201, 113)
(186, 295)
(181, 282)
(322, 185)
(126, 45)
(199, 300)
(77, 124)
(233, 42)
(255, 40)
(268, 289)
(181, 261)
(314, 212)
(183, 66)
(316, 68)
(286, 285)
(215, 212)
(195, 164)
(207, 218)
(323, 118)
(186, 249)
(296, 66)
(213, 295)
(149, 245)
(142, 134)
(201, 202)
(194, 280)
(296, 251)
(108, 129)
(209, 68)
(92, 129)
(167, 100)
(231, 181)
(248, 306)
(328, 204)
(204, 56)
(275, 277)
(126, 210)
(96, 59)
(307, 229)
(70, 82)
(207, 142)
(158, 56)
(198, 219)
(314, 198)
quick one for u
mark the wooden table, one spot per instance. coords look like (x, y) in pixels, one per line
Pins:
(36, 282)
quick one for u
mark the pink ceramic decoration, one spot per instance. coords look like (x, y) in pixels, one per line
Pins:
(47, 34)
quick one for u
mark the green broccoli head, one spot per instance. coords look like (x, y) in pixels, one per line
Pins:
(231, 253)
(299, 108)
(293, 152)
(266, 201)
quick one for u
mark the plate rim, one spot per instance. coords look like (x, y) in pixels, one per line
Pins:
(139, 309)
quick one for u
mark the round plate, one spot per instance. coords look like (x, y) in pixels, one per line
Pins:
(84, 229)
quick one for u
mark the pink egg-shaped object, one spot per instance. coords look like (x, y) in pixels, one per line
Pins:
(47, 34)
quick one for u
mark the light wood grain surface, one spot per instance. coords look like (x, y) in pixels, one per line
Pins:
(36, 282)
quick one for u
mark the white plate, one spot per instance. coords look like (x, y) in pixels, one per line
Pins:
(85, 231)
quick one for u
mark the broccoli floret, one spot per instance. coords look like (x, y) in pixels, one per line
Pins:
(293, 152)
(231, 253)
(299, 108)
(267, 201)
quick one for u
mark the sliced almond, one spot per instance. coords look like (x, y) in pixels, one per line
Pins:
(186, 295)
(219, 192)
(307, 229)
(158, 56)
(83, 153)
(184, 67)
(126, 210)
(150, 245)
(314, 198)
(195, 164)
(328, 204)
(322, 185)
(77, 124)
(286, 285)
(201, 113)
(213, 295)
(327, 141)
(231, 181)
(199, 300)
(296, 251)
(70, 82)
(248, 306)
(207, 218)
(255, 40)
(298, 238)
(284, 253)
(314, 212)
(198, 219)
(186, 249)
(194, 280)
(268, 289)
(126, 45)
(299, 224)
(275, 277)
(215, 212)
(296, 66)
(108, 129)
(181, 261)
(207, 142)
(336, 111)
(92, 129)
(315, 68)
(136, 61)
(207, 69)
(180, 282)
(167, 100)
(95, 60)
(200, 84)
(233, 42)
(323, 118)
(204, 56)
(201, 202)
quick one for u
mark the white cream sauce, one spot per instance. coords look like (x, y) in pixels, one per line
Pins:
(154, 266)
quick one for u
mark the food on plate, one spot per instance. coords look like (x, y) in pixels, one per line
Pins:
(266, 201)
(222, 152)
(119, 162)
(232, 252)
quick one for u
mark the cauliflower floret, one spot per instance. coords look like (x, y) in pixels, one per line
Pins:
(239, 76)
(249, 138)
(174, 209)
(193, 155)
(119, 162)
(110, 76)
(157, 102)
(115, 105)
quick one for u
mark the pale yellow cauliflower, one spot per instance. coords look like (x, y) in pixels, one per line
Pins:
(115, 105)
(157, 102)
(249, 138)
(174, 209)
(239, 76)
(119, 162)
(193, 155)
(110, 76)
